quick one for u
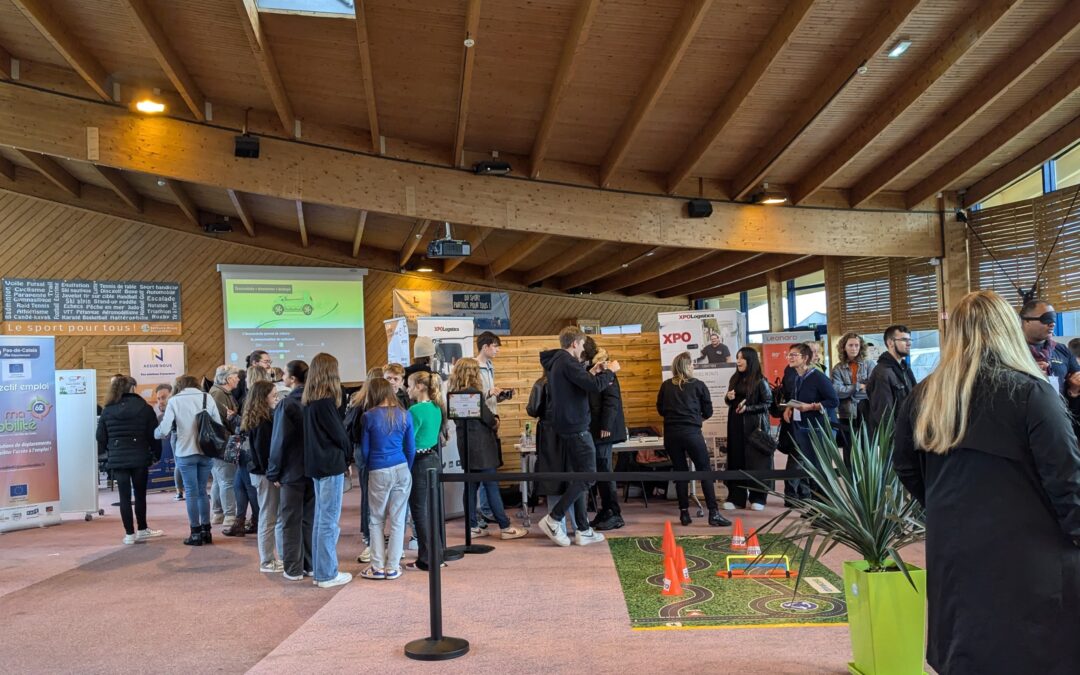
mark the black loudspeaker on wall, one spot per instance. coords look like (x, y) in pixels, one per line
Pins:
(699, 208)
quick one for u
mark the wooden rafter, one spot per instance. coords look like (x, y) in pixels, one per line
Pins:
(651, 269)
(157, 41)
(57, 175)
(1034, 109)
(999, 78)
(763, 58)
(5, 64)
(566, 260)
(472, 27)
(183, 200)
(260, 48)
(369, 79)
(361, 221)
(942, 58)
(1046, 149)
(475, 241)
(679, 39)
(604, 268)
(7, 169)
(792, 271)
(717, 262)
(42, 14)
(759, 265)
(416, 235)
(243, 211)
(880, 32)
(575, 42)
(301, 222)
(520, 250)
(120, 185)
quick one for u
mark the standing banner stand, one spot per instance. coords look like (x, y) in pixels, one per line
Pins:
(774, 349)
(465, 407)
(29, 480)
(151, 364)
(453, 338)
(76, 444)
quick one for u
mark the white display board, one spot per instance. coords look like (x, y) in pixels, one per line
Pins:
(397, 340)
(76, 445)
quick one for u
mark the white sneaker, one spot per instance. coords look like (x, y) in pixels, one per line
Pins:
(130, 539)
(513, 533)
(728, 506)
(341, 579)
(148, 534)
(478, 532)
(217, 519)
(590, 536)
(272, 567)
(365, 555)
(288, 576)
(554, 531)
(757, 507)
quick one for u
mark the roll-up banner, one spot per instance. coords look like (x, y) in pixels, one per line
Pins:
(76, 444)
(453, 338)
(397, 340)
(774, 349)
(29, 475)
(151, 364)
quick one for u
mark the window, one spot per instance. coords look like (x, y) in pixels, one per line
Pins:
(343, 7)
(1067, 168)
(757, 310)
(1068, 324)
(628, 329)
(1028, 187)
(925, 352)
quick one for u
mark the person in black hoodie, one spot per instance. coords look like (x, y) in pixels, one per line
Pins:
(891, 380)
(608, 427)
(258, 423)
(126, 432)
(285, 469)
(569, 384)
(326, 459)
(685, 404)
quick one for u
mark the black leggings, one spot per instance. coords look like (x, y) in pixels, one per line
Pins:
(683, 442)
(126, 479)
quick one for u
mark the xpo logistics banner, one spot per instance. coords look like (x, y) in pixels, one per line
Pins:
(29, 477)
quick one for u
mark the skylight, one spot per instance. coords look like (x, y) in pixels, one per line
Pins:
(339, 7)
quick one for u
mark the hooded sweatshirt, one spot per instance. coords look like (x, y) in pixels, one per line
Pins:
(569, 386)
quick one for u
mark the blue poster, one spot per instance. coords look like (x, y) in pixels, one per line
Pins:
(489, 311)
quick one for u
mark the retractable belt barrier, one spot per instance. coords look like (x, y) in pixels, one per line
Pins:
(439, 647)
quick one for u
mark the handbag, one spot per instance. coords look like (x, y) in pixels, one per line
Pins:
(763, 442)
(210, 434)
(237, 449)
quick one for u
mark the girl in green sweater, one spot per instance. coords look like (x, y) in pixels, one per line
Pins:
(428, 415)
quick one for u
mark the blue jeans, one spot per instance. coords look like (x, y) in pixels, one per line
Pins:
(245, 494)
(196, 472)
(325, 533)
(494, 501)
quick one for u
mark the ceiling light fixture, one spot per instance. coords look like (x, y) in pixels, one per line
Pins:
(426, 268)
(898, 49)
(769, 197)
(150, 106)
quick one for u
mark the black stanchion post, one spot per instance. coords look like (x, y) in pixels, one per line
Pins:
(470, 503)
(435, 647)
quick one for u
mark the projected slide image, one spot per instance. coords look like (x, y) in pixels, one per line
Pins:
(302, 303)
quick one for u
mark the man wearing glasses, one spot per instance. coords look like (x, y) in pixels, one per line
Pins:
(1037, 319)
(891, 380)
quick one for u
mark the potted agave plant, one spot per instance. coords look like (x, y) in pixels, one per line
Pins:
(862, 505)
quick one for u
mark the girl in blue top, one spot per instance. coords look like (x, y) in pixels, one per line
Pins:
(388, 449)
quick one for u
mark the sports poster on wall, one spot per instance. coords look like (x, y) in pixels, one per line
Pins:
(90, 307)
(29, 473)
(489, 311)
(712, 338)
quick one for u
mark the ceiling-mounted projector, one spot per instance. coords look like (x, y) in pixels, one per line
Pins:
(448, 247)
(491, 168)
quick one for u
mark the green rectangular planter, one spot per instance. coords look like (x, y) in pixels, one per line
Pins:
(887, 620)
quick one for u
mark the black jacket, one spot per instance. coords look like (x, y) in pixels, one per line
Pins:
(606, 412)
(485, 451)
(326, 445)
(570, 386)
(125, 433)
(1008, 497)
(889, 385)
(756, 413)
(259, 439)
(549, 456)
(287, 441)
(686, 406)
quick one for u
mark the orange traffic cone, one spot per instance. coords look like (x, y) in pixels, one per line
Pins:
(752, 545)
(680, 564)
(671, 578)
(668, 546)
(738, 540)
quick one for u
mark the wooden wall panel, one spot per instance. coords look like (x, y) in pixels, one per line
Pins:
(49, 240)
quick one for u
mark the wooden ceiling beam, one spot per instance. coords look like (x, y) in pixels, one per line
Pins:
(944, 56)
(1034, 109)
(120, 185)
(184, 201)
(366, 71)
(652, 269)
(301, 222)
(711, 264)
(243, 211)
(749, 78)
(260, 49)
(361, 222)
(792, 271)
(563, 261)
(614, 264)
(476, 240)
(43, 16)
(575, 42)
(416, 235)
(472, 27)
(7, 169)
(997, 80)
(678, 41)
(57, 175)
(759, 265)
(1046, 149)
(880, 32)
(5, 64)
(518, 252)
(159, 45)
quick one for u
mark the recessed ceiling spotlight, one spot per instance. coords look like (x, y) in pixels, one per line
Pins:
(863, 68)
(469, 42)
(161, 182)
(769, 197)
(898, 49)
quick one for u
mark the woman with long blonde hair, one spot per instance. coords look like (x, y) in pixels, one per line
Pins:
(986, 445)
(257, 423)
(685, 403)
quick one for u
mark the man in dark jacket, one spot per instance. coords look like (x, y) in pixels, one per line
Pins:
(570, 385)
(608, 427)
(892, 380)
(286, 470)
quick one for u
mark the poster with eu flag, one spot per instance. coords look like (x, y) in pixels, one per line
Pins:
(29, 476)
